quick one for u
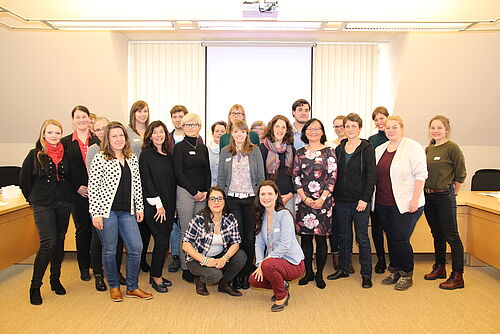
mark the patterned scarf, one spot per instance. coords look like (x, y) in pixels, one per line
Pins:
(273, 159)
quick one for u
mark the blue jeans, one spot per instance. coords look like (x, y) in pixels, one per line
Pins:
(345, 215)
(123, 224)
(399, 228)
(175, 235)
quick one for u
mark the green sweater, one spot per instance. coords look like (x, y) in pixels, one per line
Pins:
(224, 139)
(445, 164)
(378, 139)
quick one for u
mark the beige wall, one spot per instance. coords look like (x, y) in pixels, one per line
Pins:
(45, 74)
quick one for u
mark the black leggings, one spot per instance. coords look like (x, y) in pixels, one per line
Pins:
(321, 253)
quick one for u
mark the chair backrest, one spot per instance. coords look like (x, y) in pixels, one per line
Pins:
(9, 175)
(486, 180)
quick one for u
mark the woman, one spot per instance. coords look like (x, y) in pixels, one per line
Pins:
(159, 186)
(278, 154)
(192, 170)
(116, 206)
(379, 116)
(45, 185)
(98, 129)
(338, 127)
(278, 254)
(314, 171)
(236, 113)
(446, 166)
(399, 198)
(218, 129)
(76, 147)
(240, 171)
(356, 178)
(212, 243)
(260, 128)
(138, 122)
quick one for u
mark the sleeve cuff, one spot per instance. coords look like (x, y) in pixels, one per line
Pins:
(155, 201)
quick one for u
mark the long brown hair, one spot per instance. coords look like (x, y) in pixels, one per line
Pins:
(288, 138)
(446, 123)
(41, 165)
(106, 149)
(247, 145)
(207, 214)
(148, 142)
(138, 105)
(234, 107)
(259, 209)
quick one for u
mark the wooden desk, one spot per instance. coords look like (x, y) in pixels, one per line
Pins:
(18, 233)
(482, 216)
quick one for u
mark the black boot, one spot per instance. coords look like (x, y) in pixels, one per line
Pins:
(56, 286)
(187, 276)
(224, 286)
(99, 283)
(237, 282)
(244, 282)
(380, 266)
(35, 296)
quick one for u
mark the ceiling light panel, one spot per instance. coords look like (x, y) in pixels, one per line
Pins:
(112, 25)
(406, 26)
(258, 25)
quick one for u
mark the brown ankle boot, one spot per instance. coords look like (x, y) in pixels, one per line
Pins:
(456, 281)
(201, 288)
(438, 271)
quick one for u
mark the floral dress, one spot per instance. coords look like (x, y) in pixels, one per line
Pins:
(314, 172)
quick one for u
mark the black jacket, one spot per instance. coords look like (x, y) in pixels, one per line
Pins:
(356, 180)
(79, 176)
(44, 188)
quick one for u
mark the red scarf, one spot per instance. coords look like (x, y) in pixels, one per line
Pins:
(55, 153)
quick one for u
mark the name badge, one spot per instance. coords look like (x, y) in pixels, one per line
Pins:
(137, 139)
(437, 158)
(277, 229)
(228, 159)
(192, 152)
(318, 160)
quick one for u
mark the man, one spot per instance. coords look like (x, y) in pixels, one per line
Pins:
(301, 111)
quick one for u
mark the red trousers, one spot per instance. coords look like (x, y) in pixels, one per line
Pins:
(275, 272)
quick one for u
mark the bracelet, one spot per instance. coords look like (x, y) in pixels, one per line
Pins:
(204, 261)
(227, 257)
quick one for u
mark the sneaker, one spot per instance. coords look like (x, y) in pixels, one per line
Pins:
(404, 282)
(391, 279)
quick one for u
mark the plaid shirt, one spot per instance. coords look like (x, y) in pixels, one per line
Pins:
(202, 240)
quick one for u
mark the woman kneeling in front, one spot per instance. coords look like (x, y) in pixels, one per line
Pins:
(212, 243)
(278, 254)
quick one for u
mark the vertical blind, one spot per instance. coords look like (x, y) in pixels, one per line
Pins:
(344, 81)
(166, 74)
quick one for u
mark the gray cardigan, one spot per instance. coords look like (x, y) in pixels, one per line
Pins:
(225, 169)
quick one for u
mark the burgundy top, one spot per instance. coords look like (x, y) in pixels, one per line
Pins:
(384, 195)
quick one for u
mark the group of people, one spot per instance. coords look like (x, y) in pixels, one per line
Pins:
(244, 209)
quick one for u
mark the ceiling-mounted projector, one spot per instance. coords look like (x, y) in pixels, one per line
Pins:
(260, 9)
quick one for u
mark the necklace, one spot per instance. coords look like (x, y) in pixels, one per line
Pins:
(193, 146)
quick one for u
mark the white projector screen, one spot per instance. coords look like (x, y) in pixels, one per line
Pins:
(264, 80)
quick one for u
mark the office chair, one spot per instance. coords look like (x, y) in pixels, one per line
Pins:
(486, 180)
(9, 175)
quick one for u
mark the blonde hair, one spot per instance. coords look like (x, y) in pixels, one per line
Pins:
(41, 144)
(191, 117)
(234, 107)
(446, 122)
(395, 118)
(106, 149)
(247, 145)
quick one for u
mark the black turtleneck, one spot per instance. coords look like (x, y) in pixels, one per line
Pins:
(192, 166)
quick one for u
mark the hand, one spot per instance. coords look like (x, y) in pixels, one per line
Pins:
(139, 216)
(97, 222)
(83, 191)
(160, 215)
(286, 197)
(259, 276)
(197, 196)
(203, 196)
(318, 204)
(413, 205)
(211, 262)
(361, 206)
(220, 262)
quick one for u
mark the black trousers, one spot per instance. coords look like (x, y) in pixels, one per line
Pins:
(306, 242)
(441, 213)
(161, 236)
(96, 253)
(146, 237)
(213, 275)
(242, 209)
(377, 234)
(52, 223)
(83, 235)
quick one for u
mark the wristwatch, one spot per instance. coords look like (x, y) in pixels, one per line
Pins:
(226, 256)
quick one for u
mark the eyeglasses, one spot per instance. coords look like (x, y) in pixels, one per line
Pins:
(190, 125)
(214, 199)
(99, 130)
(338, 126)
(237, 113)
(313, 130)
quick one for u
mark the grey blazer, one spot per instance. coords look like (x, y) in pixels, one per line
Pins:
(226, 168)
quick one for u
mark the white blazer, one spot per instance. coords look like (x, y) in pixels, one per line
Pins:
(409, 164)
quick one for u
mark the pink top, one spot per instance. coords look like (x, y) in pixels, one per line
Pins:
(240, 176)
